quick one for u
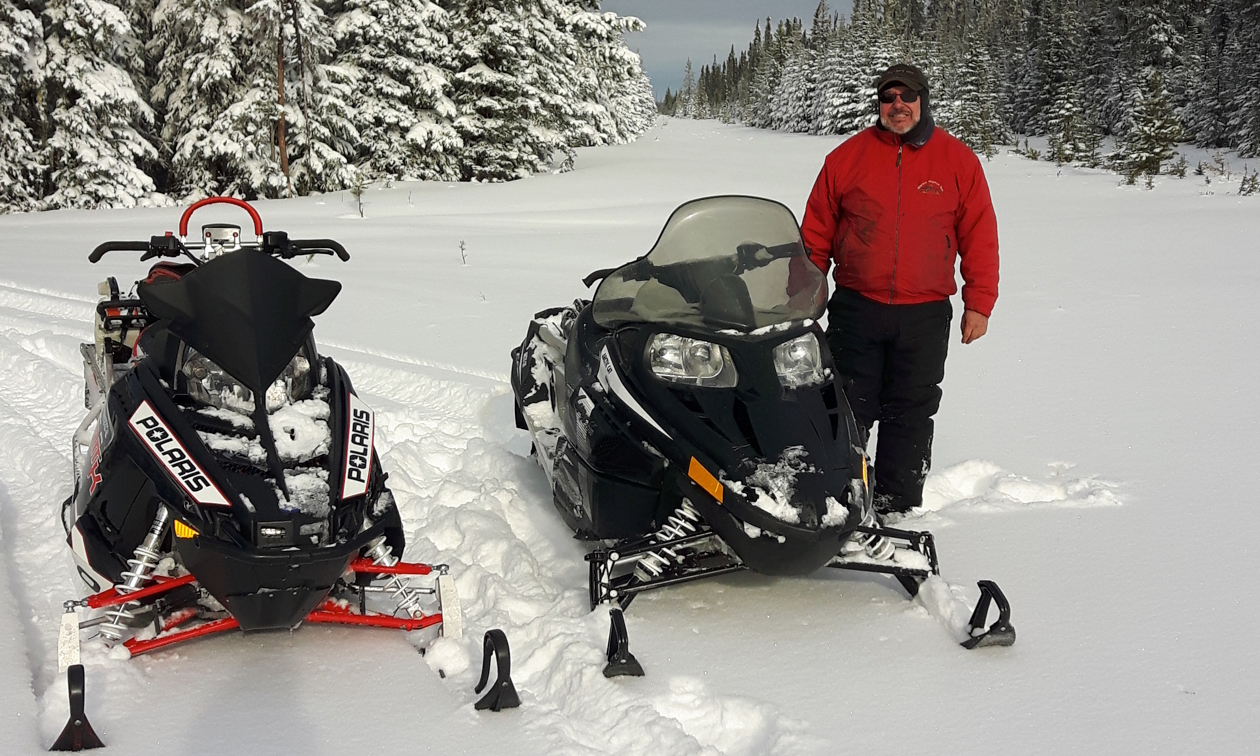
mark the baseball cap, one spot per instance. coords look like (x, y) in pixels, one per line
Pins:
(904, 74)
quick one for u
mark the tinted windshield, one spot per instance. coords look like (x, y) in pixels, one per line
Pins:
(734, 263)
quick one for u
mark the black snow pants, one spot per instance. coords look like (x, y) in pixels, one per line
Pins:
(892, 360)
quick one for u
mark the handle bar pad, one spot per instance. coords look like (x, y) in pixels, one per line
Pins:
(117, 246)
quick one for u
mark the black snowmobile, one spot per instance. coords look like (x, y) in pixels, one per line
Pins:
(690, 422)
(229, 479)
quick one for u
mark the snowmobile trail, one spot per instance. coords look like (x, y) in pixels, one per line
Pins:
(469, 502)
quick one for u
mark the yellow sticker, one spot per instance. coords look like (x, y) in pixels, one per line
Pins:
(705, 479)
(184, 531)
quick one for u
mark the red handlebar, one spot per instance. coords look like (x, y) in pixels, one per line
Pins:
(183, 221)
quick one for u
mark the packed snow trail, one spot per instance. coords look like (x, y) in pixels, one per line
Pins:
(1124, 343)
(466, 500)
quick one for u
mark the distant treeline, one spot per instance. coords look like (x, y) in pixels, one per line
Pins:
(124, 102)
(1150, 73)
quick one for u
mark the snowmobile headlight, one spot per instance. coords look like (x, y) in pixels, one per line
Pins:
(692, 361)
(210, 384)
(799, 362)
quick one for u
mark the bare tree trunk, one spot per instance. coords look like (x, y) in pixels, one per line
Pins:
(284, 153)
(306, 96)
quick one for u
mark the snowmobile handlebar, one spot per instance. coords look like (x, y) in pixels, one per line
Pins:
(183, 220)
(279, 243)
(117, 246)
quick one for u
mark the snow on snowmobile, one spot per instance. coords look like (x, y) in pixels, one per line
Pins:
(690, 422)
(225, 475)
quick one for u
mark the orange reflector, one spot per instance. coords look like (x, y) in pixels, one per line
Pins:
(183, 531)
(865, 482)
(705, 479)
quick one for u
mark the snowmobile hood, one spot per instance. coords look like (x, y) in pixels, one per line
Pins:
(246, 311)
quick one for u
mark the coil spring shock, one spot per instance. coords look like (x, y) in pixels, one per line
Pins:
(681, 523)
(407, 596)
(876, 546)
(141, 570)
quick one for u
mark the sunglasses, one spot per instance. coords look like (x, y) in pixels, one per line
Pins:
(908, 96)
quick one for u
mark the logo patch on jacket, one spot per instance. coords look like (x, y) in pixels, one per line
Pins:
(931, 187)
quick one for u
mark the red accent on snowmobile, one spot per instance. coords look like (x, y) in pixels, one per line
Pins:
(183, 221)
(111, 597)
(332, 613)
(402, 568)
(137, 646)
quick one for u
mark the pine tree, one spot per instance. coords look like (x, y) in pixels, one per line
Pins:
(94, 113)
(198, 77)
(21, 43)
(1153, 132)
(397, 54)
(502, 114)
(617, 96)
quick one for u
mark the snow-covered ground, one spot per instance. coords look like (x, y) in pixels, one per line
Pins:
(1095, 454)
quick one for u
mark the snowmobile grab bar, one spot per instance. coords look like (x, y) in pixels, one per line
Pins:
(183, 221)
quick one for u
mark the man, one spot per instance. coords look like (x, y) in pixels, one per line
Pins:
(893, 207)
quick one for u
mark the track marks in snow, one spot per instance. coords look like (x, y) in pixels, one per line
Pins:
(487, 512)
(982, 486)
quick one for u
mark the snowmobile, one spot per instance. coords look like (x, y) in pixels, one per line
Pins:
(690, 423)
(225, 476)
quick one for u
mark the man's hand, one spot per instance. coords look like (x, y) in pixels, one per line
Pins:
(974, 325)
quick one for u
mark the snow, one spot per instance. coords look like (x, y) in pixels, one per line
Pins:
(1094, 455)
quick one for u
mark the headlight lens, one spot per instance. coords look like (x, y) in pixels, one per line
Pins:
(799, 362)
(691, 361)
(210, 384)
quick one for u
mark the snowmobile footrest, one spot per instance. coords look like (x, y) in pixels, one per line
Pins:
(78, 735)
(621, 663)
(1001, 632)
(503, 694)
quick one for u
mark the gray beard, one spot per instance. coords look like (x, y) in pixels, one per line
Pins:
(902, 132)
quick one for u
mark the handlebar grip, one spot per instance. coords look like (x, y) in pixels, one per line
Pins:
(321, 244)
(117, 246)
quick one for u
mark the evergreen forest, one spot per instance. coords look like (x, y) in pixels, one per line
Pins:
(1139, 76)
(117, 103)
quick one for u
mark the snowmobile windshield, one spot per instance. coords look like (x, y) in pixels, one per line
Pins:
(721, 263)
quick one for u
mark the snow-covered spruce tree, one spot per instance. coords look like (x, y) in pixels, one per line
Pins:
(830, 91)
(765, 78)
(1066, 124)
(318, 130)
(94, 147)
(199, 76)
(792, 104)
(21, 43)
(976, 117)
(502, 114)
(1152, 134)
(854, 63)
(397, 53)
(617, 94)
(1205, 117)
(687, 93)
(1245, 77)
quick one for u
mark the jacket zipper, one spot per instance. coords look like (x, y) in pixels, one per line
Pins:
(892, 285)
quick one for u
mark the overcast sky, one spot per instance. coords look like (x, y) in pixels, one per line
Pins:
(699, 29)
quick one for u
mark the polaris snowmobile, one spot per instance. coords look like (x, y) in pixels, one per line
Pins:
(690, 422)
(225, 475)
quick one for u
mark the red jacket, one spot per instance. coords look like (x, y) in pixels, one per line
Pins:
(894, 217)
